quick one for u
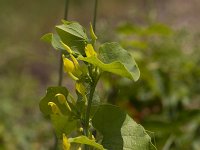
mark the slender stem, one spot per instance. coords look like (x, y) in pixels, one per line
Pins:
(93, 84)
(94, 81)
(95, 15)
(66, 9)
(60, 72)
(87, 117)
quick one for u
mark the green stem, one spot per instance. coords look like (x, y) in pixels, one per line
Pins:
(93, 83)
(95, 15)
(66, 9)
(60, 72)
(87, 117)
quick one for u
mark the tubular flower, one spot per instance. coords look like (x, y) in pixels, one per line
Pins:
(54, 108)
(76, 64)
(62, 100)
(69, 67)
(80, 88)
(66, 144)
(89, 51)
(66, 47)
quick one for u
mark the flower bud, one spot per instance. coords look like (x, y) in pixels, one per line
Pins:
(80, 88)
(76, 64)
(68, 65)
(61, 98)
(66, 143)
(89, 51)
(81, 129)
(54, 108)
(66, 47)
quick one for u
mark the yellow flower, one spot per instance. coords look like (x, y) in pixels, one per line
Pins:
(70, 67)
(80, 88)
(79, 148)
(66, 47)
(66, 144)
(76, 64)
(89, 51)
(62, 100)
(81, 129)
(54, 108)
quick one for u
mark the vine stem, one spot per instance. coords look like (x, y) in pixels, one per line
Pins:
(95, 15)
(93, 84)
(60, 71)
(87, 117)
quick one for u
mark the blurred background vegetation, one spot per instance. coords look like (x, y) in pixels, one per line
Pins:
(164, 38)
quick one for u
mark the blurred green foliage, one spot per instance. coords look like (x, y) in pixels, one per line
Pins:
(24, 71)
(166, 98)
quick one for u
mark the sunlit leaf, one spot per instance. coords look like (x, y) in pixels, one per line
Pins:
(73, 35)
(87, 141)
(114, 59)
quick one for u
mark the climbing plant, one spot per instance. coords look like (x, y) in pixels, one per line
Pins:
(82, 120)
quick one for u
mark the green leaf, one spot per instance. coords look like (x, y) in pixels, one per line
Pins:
(54, 39)
(63, 124)
(47, 37)
(50, 97)
(87, 141)
(56, 42)
(74, 29)
(120, 131)
(73, 34)
(114, 59)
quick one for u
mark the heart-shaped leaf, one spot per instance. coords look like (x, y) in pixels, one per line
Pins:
(120, 131)
(113, 58)
(73, 34)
